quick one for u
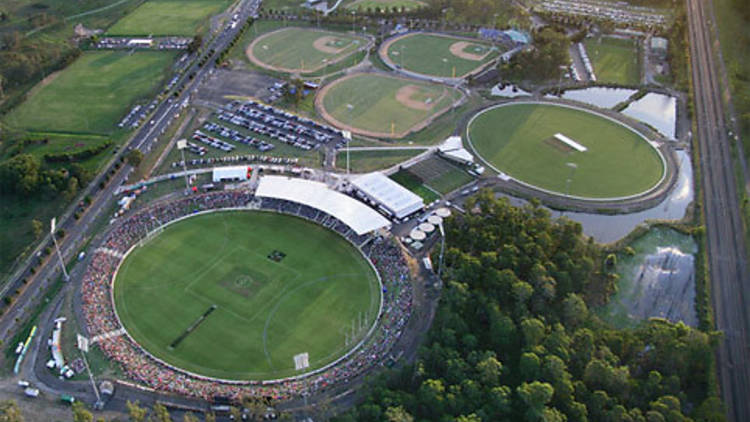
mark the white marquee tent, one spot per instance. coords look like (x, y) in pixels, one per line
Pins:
(396, 199)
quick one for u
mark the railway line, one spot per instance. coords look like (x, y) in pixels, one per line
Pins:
(724, 230)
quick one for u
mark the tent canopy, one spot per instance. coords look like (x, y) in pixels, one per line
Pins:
(398, 200)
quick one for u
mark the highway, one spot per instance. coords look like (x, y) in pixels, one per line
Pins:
(724, 229)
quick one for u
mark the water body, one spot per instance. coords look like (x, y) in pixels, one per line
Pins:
(657, 281)
(657, 110)
(610, 228)
(602, 97)
(508, 91)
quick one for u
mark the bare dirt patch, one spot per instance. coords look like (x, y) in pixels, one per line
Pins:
(405, 95)
(325, 45)
(458, 49)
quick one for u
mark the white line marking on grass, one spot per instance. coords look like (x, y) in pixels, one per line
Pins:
(278, 303)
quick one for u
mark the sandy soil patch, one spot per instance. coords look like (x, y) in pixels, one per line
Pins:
(405, 95)
(324, 44)
(458, 49)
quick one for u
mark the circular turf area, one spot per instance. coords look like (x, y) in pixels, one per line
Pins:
(302, 50)
(437, 55)
(237, 295)
(527, 142)
(383, 106)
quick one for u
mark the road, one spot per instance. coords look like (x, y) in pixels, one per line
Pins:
(78, 230)
(724, 230)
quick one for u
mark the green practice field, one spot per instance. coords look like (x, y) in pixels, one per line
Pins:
(518, 139)
(438, 55)
(383, 106)
(614, 60)
(302, 50)
(270, 287)
(92, 94)
(366, 161)
(406, 5)
(168, 17)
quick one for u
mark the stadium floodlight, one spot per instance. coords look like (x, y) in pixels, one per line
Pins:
(52, 226)
(84, 341)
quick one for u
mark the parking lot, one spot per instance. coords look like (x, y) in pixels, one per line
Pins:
(223, 84)
(280, 125)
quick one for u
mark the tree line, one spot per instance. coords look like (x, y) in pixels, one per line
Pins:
(513, 338)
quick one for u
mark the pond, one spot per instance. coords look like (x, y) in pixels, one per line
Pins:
(610, 228)
(658, 280)
(657, 110)
(597, 96)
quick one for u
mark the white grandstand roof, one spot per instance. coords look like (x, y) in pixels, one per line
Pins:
(453, 149)
(358, 216)
(398, 200)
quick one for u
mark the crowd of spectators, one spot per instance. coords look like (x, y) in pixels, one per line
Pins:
(100, 318)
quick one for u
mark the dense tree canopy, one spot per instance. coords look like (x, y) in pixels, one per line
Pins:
(513, 339)
(542, 61)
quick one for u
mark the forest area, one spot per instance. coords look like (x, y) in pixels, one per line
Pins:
(514, 340)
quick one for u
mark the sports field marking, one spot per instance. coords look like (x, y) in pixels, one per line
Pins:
(460, 49)
(305, 319)
(327, 44)
(406, 96)
(383, 106)
(302, 50)
(437, 55)
(618, 163)
(281, 300)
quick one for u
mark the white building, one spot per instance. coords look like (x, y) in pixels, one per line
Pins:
(231, 173)
(390, 197)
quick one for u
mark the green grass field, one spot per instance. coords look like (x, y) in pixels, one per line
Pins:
(517, 139)
(430, 54)
(366, 161)
(614, 60)
(414, 184)
(266, 311)
(440, 174)
(302, 50)
(92, 94)
(168, 17)
(376, 111)
(388, 5)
